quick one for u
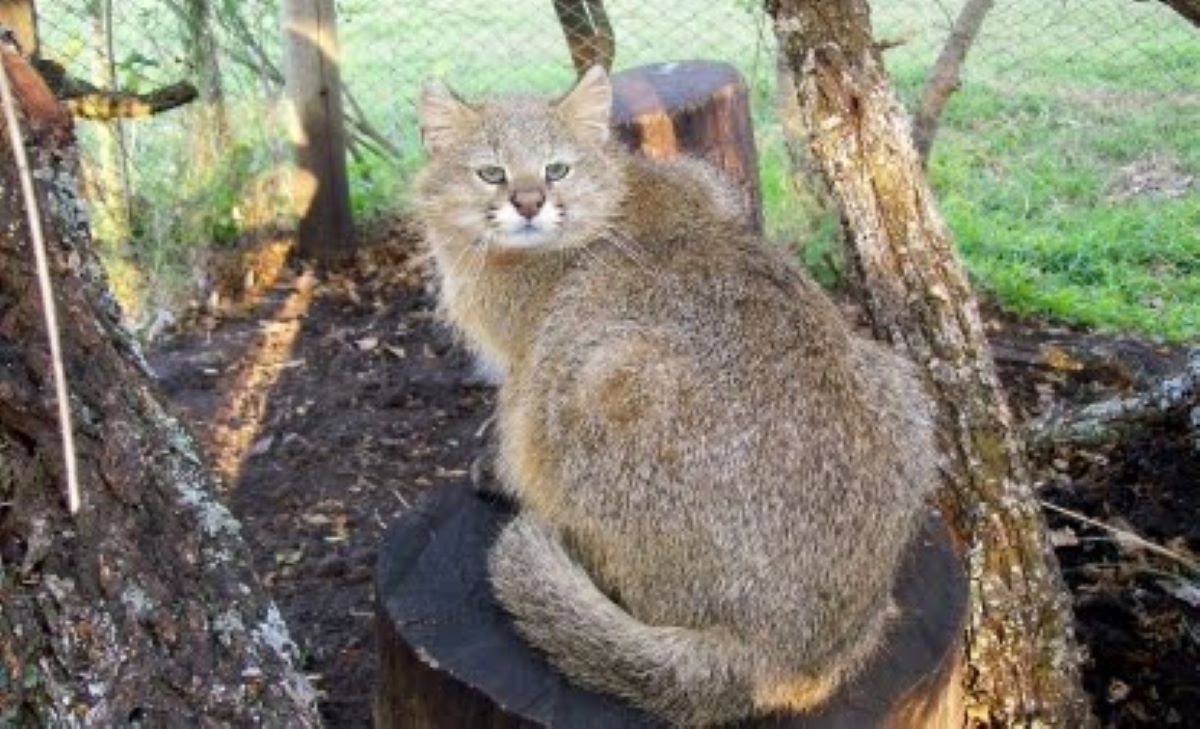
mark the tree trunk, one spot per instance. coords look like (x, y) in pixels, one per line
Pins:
(588, 32)
(321, 188)
(946, 73)
(1020, 644)
(108, 173)
(141, 609)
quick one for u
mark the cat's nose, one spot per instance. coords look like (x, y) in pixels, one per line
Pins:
(528, 202)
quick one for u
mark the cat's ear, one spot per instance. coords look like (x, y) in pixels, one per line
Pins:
(587, 108)
(443, 116)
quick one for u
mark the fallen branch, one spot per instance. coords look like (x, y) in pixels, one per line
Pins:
(89, 102)
(1108, 420)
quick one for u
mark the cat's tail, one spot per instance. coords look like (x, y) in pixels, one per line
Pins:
(685, 676)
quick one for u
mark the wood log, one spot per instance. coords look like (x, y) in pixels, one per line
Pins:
(697, 108)
(449, 657)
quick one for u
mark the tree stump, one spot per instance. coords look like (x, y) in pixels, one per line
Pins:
(449, 657)
(697, 108)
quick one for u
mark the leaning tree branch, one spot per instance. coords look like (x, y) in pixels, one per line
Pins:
(143, 607)
(946, 73)
(1109, 420)
(588, 32)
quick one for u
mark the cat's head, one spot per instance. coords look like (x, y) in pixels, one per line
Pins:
(521, 171)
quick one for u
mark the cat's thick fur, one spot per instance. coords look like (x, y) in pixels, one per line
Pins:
(716, 478)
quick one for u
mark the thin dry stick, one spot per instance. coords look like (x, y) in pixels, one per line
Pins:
(1124, 535)
(43, 274)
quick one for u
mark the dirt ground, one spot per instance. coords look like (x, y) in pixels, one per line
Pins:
(328, 406)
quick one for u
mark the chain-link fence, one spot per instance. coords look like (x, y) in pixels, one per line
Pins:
(203, 175)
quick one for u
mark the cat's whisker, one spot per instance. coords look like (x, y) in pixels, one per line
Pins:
(461, 255)
(596, 259)
(629, 251)
(481, 264)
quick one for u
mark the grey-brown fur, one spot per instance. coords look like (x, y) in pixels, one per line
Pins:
(717, 479)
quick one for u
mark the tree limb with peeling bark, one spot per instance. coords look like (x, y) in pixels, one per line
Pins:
(1020, 648)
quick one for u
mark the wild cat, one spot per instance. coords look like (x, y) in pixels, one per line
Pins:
(716, 478)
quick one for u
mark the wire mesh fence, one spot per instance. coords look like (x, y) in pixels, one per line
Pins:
(169, 185)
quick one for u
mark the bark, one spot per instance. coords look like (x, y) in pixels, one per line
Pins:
(142, 608)
(588, 32)
(1108, 420)
(946, 74)
(1021, 652)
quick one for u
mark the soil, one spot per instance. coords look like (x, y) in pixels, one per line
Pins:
(329, 405)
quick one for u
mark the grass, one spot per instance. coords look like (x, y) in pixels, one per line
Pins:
(1060, 100)
(1057, 101)
(1027, 189)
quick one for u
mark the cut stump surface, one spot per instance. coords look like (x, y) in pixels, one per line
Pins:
(450, 658)
(695, 108)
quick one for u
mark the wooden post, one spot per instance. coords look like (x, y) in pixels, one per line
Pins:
(321, 190)
(20, 16)
(696, 108)
(450, 659)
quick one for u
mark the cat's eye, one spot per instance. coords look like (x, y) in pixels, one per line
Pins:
(491, 174)
(555, 171)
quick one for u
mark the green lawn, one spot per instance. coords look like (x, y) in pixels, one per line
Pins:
(1058, 100)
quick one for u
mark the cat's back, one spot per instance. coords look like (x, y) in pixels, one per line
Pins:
(680, 262)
